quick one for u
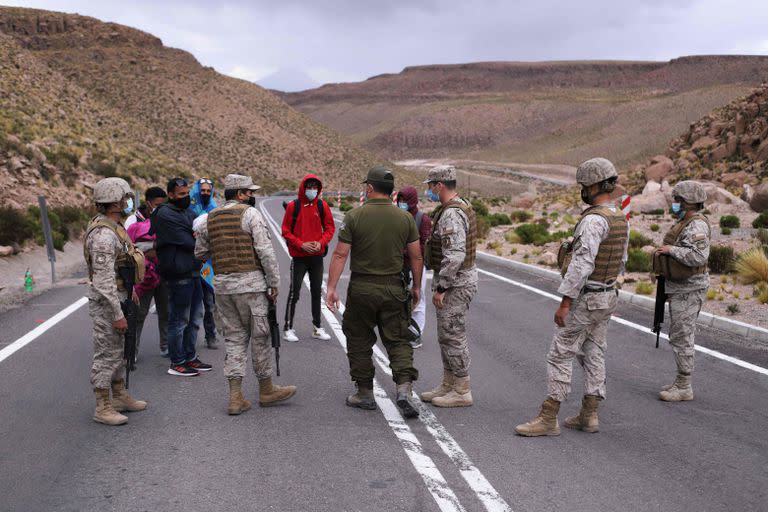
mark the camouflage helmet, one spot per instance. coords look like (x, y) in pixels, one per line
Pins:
(594, 171)
(690, 191)
(111, 190)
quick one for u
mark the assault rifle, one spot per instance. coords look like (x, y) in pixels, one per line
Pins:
(127, 274)
(274, 330)
(658, 312)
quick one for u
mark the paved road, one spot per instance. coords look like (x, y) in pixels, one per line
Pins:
(315, 454)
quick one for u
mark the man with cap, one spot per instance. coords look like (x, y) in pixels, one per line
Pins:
(591, 263)
(109, 254)
(236, 239)
(375, 236)
(682, 260)
(450, 253)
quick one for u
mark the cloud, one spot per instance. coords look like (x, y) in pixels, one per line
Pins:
(252, 74)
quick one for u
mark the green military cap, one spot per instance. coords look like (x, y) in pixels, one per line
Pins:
(380, 174)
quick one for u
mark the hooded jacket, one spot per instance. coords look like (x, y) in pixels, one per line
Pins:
(308, 226)
(175, 242)
(411, 196)
(196, 205)
(138, 232)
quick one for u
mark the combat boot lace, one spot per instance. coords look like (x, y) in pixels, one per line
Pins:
(122, 401)
(444, 388)
(237, 404)
(680, 391)
(586, 420)
(105, 413)
(403, 401)
(270, 394)
(460, 394)
(363, 399)
(545, 424)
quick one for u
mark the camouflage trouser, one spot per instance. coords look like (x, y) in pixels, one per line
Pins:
(108, 344)
(452, 329)
(583, 338)
(242, 317)
(684, 308)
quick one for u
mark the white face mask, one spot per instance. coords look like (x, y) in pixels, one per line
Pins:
(311, 194)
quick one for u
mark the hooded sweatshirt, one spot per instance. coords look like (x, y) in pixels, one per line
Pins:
(308, 226)
(138, 232)
(196, 204)
(411, 196)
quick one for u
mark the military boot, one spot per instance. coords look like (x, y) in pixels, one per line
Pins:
(545, 424)
(586, 420)
(363, 399)
(403, 401)
(680, 391)
(270, 394)
(459, 396)
(237, 404)
(122, 401)
(105, 413)
(444, 388)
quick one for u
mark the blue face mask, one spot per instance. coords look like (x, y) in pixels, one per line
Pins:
(402, 206)
(129, 208)
(677, 209)
(432, 196)
(311, 194)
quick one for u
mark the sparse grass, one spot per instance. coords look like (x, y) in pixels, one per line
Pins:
(483, 227)
(711, 294)
(730, 221)
(733, 309)
(570, 219)
(521, 216)
(761, 221)
(638, 261)
(752, 266)
(15, 226)
(644, 288)
(654, 227)
(498, 219)
(638, 240)
(512, 237)
(761, 235)
(721, 259)
(480, 208)
(725, 231)
(535, 234)
(513, 251)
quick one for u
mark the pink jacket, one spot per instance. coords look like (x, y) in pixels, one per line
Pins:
(139, 232)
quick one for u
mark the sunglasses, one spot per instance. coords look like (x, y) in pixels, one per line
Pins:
(205, 181)
(180, 182)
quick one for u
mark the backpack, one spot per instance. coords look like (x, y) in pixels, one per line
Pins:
(297, 209)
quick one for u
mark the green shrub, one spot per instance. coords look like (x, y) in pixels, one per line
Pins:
(559, 235)
(725, 231)
(638, 261)
(536, 234)
(762, 236)
(15, 226)
(729, 221)
(637, 239)
(657, 211)
(498, 219)
(479, 206)
(644, 288)
(711, 294)
(733, 309)
(73, 220)
(345, 207)
(721, 259)
(521, 216)
(655, 228)
(752, 266)
(512, 237)
(761, 221)
(570, 219)
(483, 227)
(58, 233)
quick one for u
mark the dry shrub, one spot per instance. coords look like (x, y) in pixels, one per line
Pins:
(752, 266)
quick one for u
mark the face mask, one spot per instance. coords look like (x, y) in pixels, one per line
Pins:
(677, 209)
(129, 207)
(432, 196)
(311, 194)
(205, 199)
(586, 196)
(402, 206)
(251, 201)
(182, 203)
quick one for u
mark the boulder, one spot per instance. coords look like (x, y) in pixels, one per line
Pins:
(14, 164)
(651, 187)
(716, 128)
(7, 250)
(747, 194)
(661, 166)
(719, 153)
(548, 258)
(718, 195)
(759, 200)
(735, 179)
(12, 139)
(762, 151)
(704, 142)
(732, 144)
(649, 201)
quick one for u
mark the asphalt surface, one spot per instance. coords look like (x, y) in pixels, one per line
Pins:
(314, 453)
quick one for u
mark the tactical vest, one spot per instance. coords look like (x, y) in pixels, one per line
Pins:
(667, 266)
(611, 250)
(129, 258)
(231, 247)
(434, 248)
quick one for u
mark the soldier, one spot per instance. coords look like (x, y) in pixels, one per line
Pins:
(592, 261)
(682, 260)
(450, 253)
(236, 239)
(108, 251)
(376, 234)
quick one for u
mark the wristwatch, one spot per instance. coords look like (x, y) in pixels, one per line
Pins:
(440, 289)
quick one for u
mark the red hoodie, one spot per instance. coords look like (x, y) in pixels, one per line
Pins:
(308, 226)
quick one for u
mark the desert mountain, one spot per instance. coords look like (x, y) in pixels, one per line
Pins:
(549, 112)
(80, 99)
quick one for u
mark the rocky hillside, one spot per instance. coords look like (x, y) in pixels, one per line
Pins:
(550, 112)
(83, 99)
(728, 147)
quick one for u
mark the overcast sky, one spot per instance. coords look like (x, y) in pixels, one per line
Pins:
(295, 44)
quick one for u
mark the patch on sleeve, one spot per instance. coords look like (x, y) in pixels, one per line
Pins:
(698, 237)
(100, 259)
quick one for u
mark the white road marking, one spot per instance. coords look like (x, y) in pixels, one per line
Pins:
(627, 323)
(40, 329)
(438, 487)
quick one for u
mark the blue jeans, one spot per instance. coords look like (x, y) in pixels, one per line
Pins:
(185, 300)
(209, 301)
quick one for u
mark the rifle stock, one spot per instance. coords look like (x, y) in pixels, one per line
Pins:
(658, 311)
(274, 330)
(130, 312)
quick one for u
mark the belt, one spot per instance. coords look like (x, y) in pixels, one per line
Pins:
(377, 279)
(598, 290)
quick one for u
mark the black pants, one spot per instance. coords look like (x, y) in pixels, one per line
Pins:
(299, 267)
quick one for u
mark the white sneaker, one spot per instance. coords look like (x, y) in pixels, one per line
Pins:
(320, 334)
(290, 335)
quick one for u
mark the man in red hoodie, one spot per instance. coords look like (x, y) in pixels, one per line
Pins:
(308, 228)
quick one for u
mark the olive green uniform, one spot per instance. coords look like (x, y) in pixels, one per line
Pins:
(378, 233)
